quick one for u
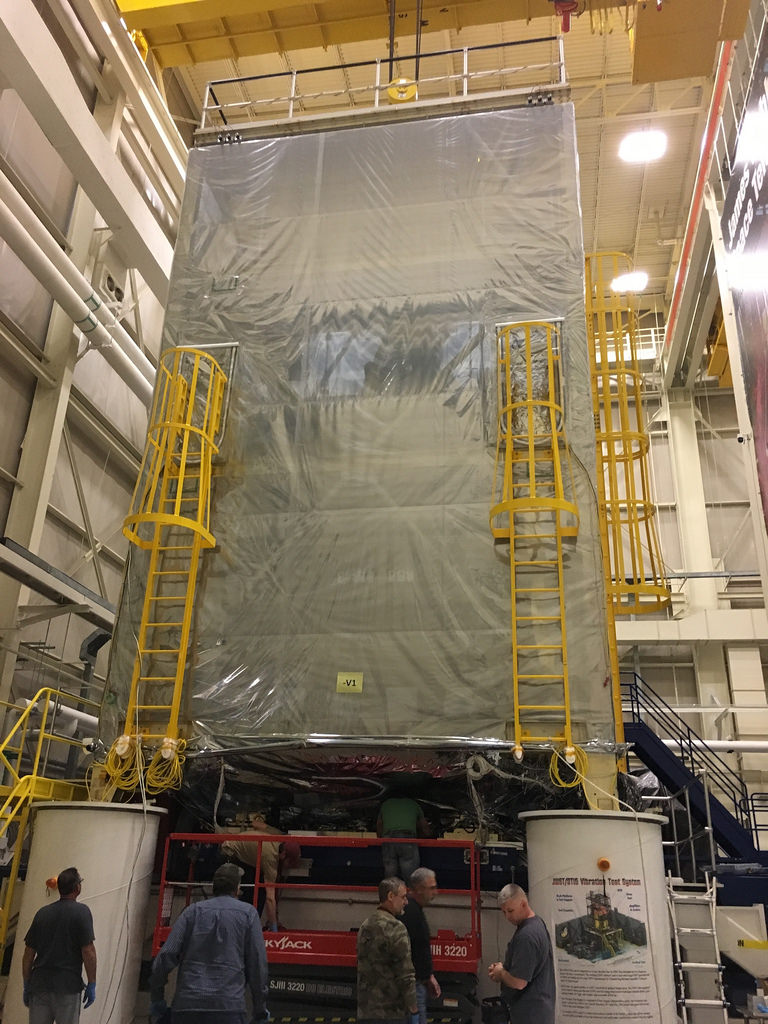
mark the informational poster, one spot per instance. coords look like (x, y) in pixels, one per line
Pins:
(745, 233)
(603, 960)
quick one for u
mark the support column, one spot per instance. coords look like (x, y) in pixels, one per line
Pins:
(712, 685)
(40, 447)
(691, 508)
(739, 393)
(748, 688)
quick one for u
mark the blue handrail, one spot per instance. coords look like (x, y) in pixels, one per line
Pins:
(646, 706)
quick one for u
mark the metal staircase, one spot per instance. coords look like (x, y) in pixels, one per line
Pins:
(698, 968)
(680, 763)
(534, 514)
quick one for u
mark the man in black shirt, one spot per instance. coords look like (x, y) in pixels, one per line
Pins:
(527, 976)
(59, 944)
(422, 889)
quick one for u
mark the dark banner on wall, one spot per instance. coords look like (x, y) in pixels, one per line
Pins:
(745, 233)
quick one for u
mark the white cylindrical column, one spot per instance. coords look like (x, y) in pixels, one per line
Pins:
(113, 848)
(597, 880)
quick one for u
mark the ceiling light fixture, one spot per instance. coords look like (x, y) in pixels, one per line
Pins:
(635, 281)
(644, 146)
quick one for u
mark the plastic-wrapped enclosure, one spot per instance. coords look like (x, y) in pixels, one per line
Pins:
(362, 274)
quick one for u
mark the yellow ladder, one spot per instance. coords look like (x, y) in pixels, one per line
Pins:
(533, 513)
(169, 518)
(634, 571)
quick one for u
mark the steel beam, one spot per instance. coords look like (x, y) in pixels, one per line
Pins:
(37, 70)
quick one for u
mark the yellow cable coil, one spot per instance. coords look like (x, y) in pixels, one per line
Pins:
(125, 765)
(576, 761)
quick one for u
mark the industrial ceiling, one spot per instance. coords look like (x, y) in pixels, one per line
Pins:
(628, 66)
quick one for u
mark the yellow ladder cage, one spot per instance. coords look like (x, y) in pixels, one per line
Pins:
(634, 572)
(170, 519)
(534, 510)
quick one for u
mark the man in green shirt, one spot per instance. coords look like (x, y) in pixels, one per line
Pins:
(400, 817)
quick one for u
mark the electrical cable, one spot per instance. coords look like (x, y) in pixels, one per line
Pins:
(577, 767)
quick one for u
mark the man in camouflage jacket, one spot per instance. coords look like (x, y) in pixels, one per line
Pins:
(386, 984)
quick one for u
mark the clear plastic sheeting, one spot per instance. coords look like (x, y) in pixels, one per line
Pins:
(355, 589)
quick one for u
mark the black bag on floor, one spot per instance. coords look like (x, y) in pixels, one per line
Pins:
(494, 1011)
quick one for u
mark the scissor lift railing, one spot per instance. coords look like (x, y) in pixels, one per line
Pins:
(324, 947)
(535, 511)
(24, 759)
(635, 575)
(170, 518)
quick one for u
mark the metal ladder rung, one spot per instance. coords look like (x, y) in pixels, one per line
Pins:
(689, 966)
(704, 1002)
(537, 618)
(541, 707)
(157, 679)
(539, 647)
(696, 931)
(535, 561)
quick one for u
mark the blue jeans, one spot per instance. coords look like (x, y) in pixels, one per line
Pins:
(47, 1007)
(400, 859)
(421, 1002)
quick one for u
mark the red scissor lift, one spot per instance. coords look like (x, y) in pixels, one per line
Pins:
(329, 955)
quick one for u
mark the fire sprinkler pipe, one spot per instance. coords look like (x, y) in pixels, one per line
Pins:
(702, 175)
(73, 277)
(65, 295)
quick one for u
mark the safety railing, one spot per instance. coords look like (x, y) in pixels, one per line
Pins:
(230, 103)
(644, 705)
(190, 859)
(756, 805)
(690, 850)
(25, 759)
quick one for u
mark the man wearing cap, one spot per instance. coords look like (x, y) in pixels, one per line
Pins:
(269, 857)
(58, 945)
(219, 949)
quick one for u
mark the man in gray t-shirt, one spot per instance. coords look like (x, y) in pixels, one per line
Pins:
(527, 976)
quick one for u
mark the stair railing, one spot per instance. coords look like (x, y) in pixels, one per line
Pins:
(644, 705)
(24, 764)
(678, 844)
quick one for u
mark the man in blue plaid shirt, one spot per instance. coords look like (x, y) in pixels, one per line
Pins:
(219, 950)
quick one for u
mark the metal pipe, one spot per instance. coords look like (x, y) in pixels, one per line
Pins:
(74, 278)
(725, 746)
(707, 148)
(65, 295)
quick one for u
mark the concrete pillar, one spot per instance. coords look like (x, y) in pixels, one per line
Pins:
(691, 507)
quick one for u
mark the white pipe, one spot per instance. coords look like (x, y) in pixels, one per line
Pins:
(67, 714)
(52, 280)
(724, 746)
(73, 277)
